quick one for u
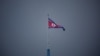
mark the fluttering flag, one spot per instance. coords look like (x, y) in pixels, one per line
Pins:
(52, 24)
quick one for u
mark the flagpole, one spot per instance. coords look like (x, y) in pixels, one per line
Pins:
(48, 49)
(47, 36)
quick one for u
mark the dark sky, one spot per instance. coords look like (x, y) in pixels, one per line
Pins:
(24, 30)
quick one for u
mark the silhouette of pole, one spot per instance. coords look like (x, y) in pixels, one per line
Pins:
(48, 52)
(48, 49)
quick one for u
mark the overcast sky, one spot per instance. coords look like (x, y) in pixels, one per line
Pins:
(24, 29)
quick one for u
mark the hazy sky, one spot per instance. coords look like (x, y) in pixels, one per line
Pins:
(24, 29)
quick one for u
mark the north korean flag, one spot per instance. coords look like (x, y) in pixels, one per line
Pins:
(52, 24)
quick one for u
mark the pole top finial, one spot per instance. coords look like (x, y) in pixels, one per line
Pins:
(48, 14)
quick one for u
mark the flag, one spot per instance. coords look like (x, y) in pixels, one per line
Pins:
(52, 24)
